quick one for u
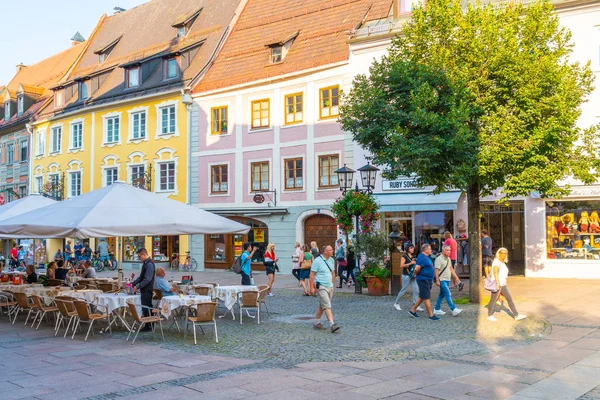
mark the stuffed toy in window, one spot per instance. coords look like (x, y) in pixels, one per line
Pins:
(594, 222)
(584, 222)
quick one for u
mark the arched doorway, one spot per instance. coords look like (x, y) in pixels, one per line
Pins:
(320, 228)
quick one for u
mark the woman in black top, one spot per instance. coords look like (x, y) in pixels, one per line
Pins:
(407, 263)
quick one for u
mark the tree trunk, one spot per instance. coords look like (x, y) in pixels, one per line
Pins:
(474, 243)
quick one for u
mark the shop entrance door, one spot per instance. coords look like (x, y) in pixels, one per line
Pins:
(320, 228)
(505, 224)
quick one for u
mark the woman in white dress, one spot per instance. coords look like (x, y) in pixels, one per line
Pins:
(499, 275)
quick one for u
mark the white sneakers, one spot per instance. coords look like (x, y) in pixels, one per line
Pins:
(397, 306)
(456, 311)
(520, 317)
(439, 312)
(420, 308)
(492, 318)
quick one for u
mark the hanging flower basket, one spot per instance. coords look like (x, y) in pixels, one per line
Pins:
(355, 203)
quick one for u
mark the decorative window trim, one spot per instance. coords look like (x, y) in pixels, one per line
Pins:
(320, 110)
(211, 121)
(130, 114)
(105, 167)
(293, 95)
(284, 175)
(159, 107)
(71, 170)
(53, 168)
(219, 194)
(130, 163)
(21, 158)
(261, 127)
(71, 137)
(156, 167)
(105, 118)
(8, 147)
(269, 161)
(38, 134)
(317, 170)
(37, 176)
(52, 153)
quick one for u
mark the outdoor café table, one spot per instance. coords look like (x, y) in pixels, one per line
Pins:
(229, 295)
(47, 293)
(168, 304)
(113, 302)
(189, 289)
(88, 295)
(16, 288)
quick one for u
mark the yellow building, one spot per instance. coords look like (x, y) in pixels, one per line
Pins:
(123, 112)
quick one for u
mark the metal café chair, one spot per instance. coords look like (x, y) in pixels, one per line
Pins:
(141, 321)
(83, 315)
(23, 304)
(248, 300)
(43, 309)
(66, 311)
(205, 315)
(7, 300)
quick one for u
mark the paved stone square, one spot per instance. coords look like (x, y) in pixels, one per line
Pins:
(379, 353)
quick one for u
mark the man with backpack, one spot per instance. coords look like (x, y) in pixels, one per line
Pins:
(246, 262)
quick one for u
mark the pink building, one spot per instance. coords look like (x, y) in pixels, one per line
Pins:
(264, 125)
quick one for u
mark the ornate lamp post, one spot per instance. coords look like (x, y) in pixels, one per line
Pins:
(368, 175)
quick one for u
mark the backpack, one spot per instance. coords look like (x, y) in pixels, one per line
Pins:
(237, 265)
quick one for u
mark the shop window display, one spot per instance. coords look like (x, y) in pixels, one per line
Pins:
(131, 245)
(430, 227)
(573, 230)
(215, 248)
(225, 248)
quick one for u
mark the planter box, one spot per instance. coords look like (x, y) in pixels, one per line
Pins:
(377, 286)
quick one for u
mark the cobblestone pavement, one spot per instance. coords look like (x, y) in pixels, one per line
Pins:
(379, 353)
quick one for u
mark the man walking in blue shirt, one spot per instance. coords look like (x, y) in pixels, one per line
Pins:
(246, 259)
(322, 276)
(425, 273)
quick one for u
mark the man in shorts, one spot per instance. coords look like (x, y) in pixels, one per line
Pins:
(425, 273)
(322, 277)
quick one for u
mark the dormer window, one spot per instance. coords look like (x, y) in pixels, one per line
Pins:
(132, 77)
(276, 54)
(83, 90)
(6, 111)
(102, 57)
(184, 24)
(170, 68)
(278, 50)
(58, 98)
(105, 51)
(20, 104)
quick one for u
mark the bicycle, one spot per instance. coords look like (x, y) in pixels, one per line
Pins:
(190, 263)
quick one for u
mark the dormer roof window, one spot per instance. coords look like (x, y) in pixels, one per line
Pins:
(104, 51)
(59, 98)
(6, 111)
(279, 50)
(132, 77)
(20, 104)
(185, 22)
(83, 90)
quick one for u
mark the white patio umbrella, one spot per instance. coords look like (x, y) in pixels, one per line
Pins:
(117, 210)
(21, 206)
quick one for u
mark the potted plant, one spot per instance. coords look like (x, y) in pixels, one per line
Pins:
(376, 273)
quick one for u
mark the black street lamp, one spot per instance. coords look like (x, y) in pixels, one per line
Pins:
(368, 175)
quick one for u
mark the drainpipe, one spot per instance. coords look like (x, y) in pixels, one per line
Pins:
(186, 98)
(30, 160)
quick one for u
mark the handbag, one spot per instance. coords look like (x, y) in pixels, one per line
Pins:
(306, 264)
(489, 284)
(295, 259)
(342, 263)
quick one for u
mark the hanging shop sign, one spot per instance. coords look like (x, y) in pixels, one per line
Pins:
(259, 235)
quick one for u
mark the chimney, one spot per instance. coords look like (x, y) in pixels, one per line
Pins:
(77, 39)
(118, 10)
(396, 9)
(21, 66)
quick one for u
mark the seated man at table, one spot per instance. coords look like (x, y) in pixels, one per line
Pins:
(60, 272)
(161, 283)
(31, 275)
(88, 270)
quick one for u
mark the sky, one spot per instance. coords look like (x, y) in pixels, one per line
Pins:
(37, 29)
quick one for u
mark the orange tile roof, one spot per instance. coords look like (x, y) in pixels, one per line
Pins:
(323, 34)
(48, 72)
(31, 89)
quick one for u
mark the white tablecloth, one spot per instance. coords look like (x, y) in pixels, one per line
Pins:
(15, 288)
(189, 289)
(228, 294)
(88, 295)
(113, 301)
(47, 293)
(170, 303)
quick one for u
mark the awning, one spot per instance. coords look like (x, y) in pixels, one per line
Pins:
(393, 202)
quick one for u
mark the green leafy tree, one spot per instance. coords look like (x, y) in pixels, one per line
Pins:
(476, 99)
